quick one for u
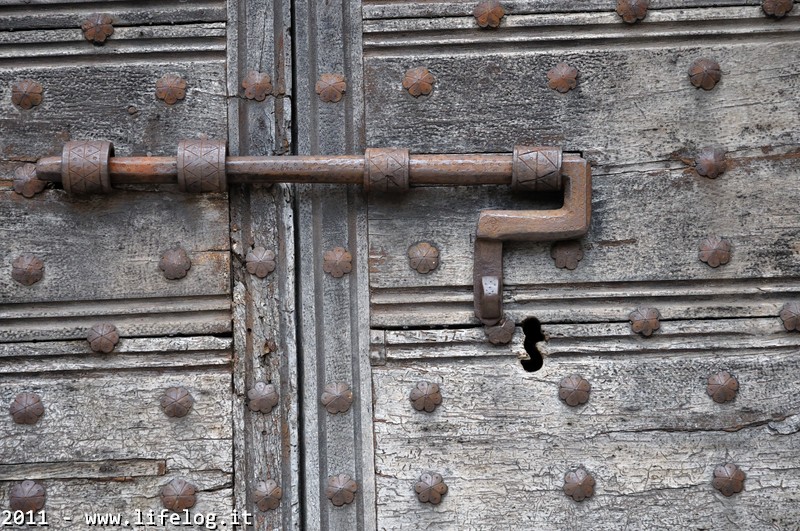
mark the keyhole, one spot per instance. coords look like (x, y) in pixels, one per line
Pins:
(532, 329)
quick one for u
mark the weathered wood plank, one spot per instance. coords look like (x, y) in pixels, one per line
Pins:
(114, 468)
(503, 440)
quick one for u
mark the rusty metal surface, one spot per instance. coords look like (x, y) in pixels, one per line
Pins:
(715, 251)
(84, 167)
(267, 495)
(25, 182)
(562, 77)
(26, 93)
(27, 408)
(574, 390)
(97, 28)
(27, 269)
(423, 257)
(170, 88)
(418, 81)
(260, 262)
(336, 397)
(722, 387)
(632, 11)
(711, 162)
(177, 402)
(337, 262)
(566, 254)
(488, 14)
(425, 396)
(790, 316)
(386, 170)
(729, 479)
(341, 489)
(178, 495)
(536, 169)
(175, 263)
(263, 397)
(257, 86)
(331, 87)
(103, 337)
(27, 496)
(502, 332)
(578, 484)
(645, 321)
(430, 488)
(201, 166)
(704, 73)
(777, 8)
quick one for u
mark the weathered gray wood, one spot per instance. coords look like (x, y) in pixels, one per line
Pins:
(650, 435)
(120, 468)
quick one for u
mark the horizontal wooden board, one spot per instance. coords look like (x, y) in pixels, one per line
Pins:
(649, 434)
(112, 468)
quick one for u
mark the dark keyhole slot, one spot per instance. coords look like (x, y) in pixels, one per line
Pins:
(532, 329)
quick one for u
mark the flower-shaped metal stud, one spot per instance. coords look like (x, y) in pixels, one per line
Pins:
(578, 484)
(27, 269)
(425, 396)
(430, 488)
(175, 263)
(27, 496)
(177, 401)
(632, 10)
(26, 93)
(336, 397)
(488, 14)
(777, 8)
(260, 262)
(704, 73)
(418, 81)
(645, 321)
(423, 257)
(722, 387)
(257, 86)
(262, 397)
(729, 479)
(103, 337)
(562, 77)
(341, 489)
(711, 162)
(566, 254)
(790, 315)
(574, 390)
(178, 495)
(25, 181)
(171, 88)
(337, 262)
(331, 87)
(27, 408)
(97, 28)
(502, 332)
(715, 251)
(267, 495)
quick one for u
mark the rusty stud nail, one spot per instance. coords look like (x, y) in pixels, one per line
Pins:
(729, 479)
(178, 495)
(97, 28)
(27, 269)
(566, 254)
(722, 387)
(262, 397)
(430, 488)
(267, 495)
(26, 93)
(175, 263)
(103, 337)
(336, 397)
(341, 489)
(260, 262)
(790, 315)
(562, 77)
(423, 257)
(645, 321)
(337, 262)
(171, 88)
(578, 484)
(27, 496)
(632, 10)
(418, 81)
(711, 162)
(257, 86)
(176, 402)
(425, 396)
(574, 390)
(25, 182)
(777, 8)
(704, 73)
(488, 14)
(26, 408)
(330, 87)
(715, 251)
(502, 332)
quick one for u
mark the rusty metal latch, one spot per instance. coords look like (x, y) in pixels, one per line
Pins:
(90, 167)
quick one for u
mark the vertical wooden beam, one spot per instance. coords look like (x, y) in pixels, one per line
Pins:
(265, 444)
(334, 326)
